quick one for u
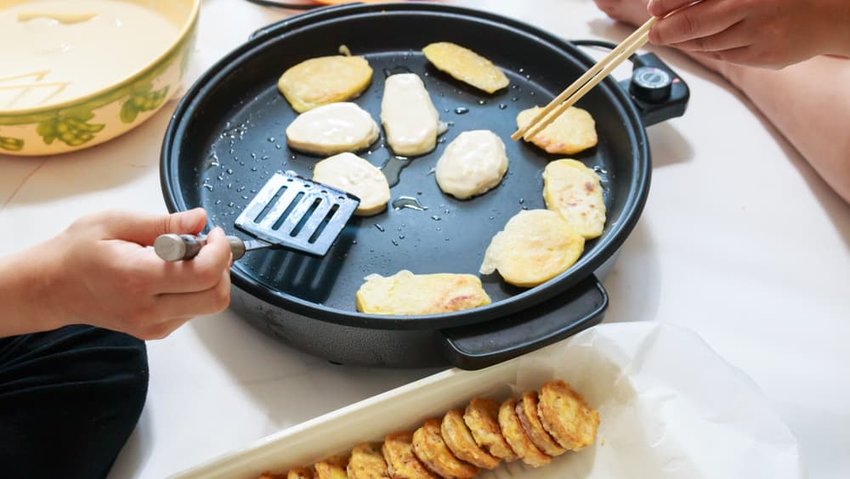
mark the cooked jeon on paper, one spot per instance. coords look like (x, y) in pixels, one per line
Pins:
(466, 66)
(352, 174)
(534, 247)
(572, 131)
(475, 162)
(405, 293)
(410, 120)
(323, 80)
(575, 191)
(332, 129)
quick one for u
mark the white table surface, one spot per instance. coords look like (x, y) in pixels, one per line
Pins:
(740, 241)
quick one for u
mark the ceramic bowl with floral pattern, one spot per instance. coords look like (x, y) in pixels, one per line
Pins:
(100, 115)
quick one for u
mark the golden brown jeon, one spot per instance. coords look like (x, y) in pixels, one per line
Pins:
(429, 447)
(331, 468)
(534, 428)
(405, 293)
(269, 475)
(402, 463)
(299, 473)
(481, 417)
(460, 441)
(575, 191)
(526, 411)
(466, 66)
(573, 131)
(534, 247)
(367, 462)
(517, 438)
(566, 416)
(323, 80)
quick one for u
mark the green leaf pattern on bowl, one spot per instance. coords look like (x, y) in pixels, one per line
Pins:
(11, 144)
(71, 127)
(142, 99)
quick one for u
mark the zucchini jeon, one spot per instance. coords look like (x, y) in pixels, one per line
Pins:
(572, 132)
(323, 80)
(354, 175)
(575, 191)
(401, 461)
(526, 411)
(474, 163)
(566, 416)
(534, 247)
(367, 462)
(405, 293)
(459, 440)
(331, 129)
(518, 439)
(331, 468)
(466, 66)
(482, 418)
(429, 447)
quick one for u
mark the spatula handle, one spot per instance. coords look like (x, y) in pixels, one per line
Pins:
(174, 247)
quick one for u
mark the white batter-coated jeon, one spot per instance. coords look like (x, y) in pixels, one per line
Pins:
(474, 163)
(534, 247)
(354, 175)
(331, 129)
(410, 120)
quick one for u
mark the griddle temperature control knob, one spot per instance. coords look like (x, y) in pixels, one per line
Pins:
(656, 90)
(651, 84)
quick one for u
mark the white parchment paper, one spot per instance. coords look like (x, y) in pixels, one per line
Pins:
(670, 408)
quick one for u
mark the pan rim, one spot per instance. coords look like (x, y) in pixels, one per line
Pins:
(637, 192)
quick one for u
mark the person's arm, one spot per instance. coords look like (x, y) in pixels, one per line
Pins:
(99, 272)
(768, 33)
(809, 103)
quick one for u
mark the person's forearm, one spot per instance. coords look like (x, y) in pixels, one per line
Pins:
(809, 103)
(24, 296)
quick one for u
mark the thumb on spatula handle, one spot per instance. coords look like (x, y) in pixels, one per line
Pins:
(174, 247)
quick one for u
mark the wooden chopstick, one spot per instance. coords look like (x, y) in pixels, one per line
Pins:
(586, 82)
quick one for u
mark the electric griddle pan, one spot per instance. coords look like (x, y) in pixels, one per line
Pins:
(227, 138)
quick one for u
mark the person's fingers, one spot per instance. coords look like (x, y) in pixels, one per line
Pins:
(144, 228)
(184, 305)
(749, 55)
(198, 274)
(735, 36)
(162, 330)
(699, 20)
(660, 8)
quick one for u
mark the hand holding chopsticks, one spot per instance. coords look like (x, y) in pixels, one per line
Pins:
(586, 82)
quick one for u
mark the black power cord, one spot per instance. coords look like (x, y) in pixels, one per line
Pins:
(291, 6)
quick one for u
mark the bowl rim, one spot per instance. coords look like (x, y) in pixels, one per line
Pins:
(185, 30)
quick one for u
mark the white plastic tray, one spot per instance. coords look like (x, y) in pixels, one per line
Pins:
(670, 408)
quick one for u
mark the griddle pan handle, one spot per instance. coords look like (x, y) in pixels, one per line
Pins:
(481, 345)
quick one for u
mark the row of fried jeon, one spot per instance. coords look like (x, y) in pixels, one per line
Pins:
(533, 429)
(534, 246)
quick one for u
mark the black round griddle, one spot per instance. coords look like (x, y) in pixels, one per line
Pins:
(227, 138)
